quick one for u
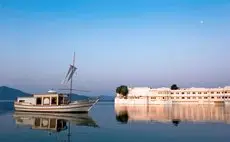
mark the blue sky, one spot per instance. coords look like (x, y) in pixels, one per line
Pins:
(133, 42)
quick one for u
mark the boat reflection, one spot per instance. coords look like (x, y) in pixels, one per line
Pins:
(173, 113)
(52, 122)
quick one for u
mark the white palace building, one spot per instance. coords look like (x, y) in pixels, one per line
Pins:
(148, 96)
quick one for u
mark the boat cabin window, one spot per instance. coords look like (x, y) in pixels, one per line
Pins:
(60, 100)
(54, 101)
(21, 101)
(46, 101)
(39, 101)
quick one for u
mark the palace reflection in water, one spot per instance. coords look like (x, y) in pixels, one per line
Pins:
(53, 122)
(173, 113)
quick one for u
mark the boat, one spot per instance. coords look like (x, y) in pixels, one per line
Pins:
(54, 101)
(169, 96)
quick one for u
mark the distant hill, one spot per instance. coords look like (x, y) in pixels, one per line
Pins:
(7, 93)
(103, 98)
(106, 98)
(78, 97)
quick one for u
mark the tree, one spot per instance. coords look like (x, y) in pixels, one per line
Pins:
(174, 87)
(118, 90)
(122, 90)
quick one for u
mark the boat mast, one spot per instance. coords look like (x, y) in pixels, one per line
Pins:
(71, 81)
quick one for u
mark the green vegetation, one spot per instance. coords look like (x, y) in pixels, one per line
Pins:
(174, 87)
(123, 90)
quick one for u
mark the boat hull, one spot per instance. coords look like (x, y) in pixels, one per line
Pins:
(75, 107)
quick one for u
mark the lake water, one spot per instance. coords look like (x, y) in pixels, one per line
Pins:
(105, 122)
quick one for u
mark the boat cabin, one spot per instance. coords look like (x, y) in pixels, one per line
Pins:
(51, 98)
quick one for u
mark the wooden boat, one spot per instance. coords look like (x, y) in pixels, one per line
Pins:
(55, 102)
(52, 102)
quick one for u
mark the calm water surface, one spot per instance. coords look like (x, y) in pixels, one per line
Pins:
(121, 123)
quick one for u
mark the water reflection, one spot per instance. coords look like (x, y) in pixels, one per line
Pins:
(173, 114)
(122, 117)
(53, 122)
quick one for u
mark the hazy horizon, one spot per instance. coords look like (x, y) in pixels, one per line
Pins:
(135, 43)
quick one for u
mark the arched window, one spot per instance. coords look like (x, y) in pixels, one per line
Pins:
(46, 101)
